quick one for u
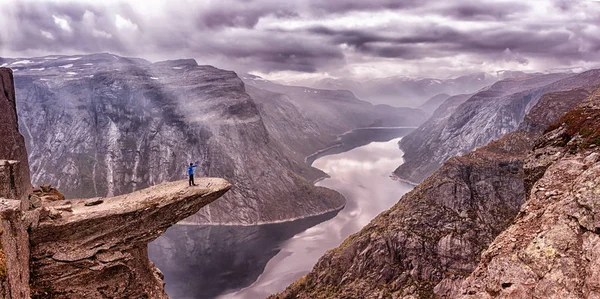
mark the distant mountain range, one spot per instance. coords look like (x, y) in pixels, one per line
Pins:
(402, 91)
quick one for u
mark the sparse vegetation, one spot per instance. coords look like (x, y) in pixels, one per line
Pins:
(581, 122)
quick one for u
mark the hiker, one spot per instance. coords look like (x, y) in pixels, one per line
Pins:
(191, 173)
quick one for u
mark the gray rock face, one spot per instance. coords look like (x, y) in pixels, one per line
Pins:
(14, 204)
(552, 249)
(486, 116)
(12, 142)
(431, 240)
(103, 125)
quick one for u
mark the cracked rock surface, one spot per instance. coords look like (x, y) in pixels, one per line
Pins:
(100, 250)
(553, 248)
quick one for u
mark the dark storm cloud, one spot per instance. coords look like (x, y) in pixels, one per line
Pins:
(310, 35)
(465, 10)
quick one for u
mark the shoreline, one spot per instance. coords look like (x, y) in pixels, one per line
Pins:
(395, 177)
(233, 224)
(314, 156)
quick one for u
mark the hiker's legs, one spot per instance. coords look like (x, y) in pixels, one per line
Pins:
(191, 180)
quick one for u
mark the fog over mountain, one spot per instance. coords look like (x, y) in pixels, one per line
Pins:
(352, 39)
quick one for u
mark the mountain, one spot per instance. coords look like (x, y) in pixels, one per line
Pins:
(56, 248)
(301, 116)
(434, 102)
(551, 249)
(485, 116)
(432, 239)
(403, 91)
(104, 125)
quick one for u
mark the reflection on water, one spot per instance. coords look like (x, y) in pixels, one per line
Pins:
(362, 175)
(257, 261)
(203, 261)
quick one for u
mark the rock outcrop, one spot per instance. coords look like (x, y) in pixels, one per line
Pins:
(97, 248)
(92, 248)
(12, 142)
(486, 116)
(14, 203)
(432, 239)
(553, 248)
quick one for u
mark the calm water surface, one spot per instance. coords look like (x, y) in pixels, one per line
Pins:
(231, 262)
(362, 175)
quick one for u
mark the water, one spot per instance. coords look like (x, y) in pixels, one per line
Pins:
(257, 261)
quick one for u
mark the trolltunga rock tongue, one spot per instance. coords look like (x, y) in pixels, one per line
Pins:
(91, 248)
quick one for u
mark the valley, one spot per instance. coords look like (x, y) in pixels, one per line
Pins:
(257, 261)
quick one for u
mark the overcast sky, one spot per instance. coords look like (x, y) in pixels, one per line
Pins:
(293, 38)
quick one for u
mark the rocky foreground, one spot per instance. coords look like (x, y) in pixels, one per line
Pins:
(89, 248)
(430, 244)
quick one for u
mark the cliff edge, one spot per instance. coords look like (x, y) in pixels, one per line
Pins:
(97, 248)
(88, 248)
(553, 248)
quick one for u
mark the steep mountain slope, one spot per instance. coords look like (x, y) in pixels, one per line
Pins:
(552, 249)
(308, 119)
(486, 116)
(12, 140)
(103, 125)
(433, 103)
(426, 244)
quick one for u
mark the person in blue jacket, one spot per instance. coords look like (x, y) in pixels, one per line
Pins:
(191, 173)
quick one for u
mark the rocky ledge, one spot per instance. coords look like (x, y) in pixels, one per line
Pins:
(97, 248)
(553, 248)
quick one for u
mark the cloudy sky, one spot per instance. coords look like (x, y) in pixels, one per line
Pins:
(314, 38)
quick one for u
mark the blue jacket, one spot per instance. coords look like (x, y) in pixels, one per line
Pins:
(191, 169)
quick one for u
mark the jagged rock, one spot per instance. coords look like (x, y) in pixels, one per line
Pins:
(431, 240)
(12, 142)
(35, 201)
(48, 193)
(101, 250)
(93, 202)
(553, 248)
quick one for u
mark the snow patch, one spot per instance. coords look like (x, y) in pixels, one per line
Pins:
(38, 69)
(73, 58)
(88, 64)
(51, 58)
(153, 78)
(22, 62)
(67, 66)
(3, 65)
(90, 76)
(71, 73)
(177, 67)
